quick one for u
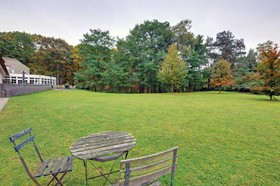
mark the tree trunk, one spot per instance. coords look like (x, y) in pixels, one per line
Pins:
(159, 89)
(219, 90)
(172, 89)
(270, 97)
(155, 88)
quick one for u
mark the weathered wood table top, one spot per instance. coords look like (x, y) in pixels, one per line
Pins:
(103, 146)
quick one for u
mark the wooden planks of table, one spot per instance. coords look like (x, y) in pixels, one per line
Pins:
(103, 146)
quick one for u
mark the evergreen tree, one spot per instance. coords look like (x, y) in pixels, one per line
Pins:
(244, 70)
(226, 47)
(193, 52)
(95, 53)
(145, 47)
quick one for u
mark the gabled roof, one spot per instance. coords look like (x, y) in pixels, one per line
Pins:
(2, 64)
(15, 66)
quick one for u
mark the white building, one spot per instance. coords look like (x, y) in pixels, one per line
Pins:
(18, 71)
(31, 79)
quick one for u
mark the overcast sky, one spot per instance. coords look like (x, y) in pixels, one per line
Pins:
(255, 21)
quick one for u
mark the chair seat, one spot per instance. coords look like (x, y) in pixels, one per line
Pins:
(55, 166)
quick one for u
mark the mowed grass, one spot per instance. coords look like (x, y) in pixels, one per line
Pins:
(224, 139)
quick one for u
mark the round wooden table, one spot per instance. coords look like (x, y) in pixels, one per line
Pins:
(103, 146)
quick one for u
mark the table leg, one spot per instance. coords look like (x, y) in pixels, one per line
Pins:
(85, 165)
(126, 154)
(111, 171)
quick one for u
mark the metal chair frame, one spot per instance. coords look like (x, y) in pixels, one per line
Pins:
(50, 166)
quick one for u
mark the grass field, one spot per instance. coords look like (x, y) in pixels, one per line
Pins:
(224, 139)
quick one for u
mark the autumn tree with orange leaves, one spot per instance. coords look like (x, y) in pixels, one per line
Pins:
(268, 72)
(222, 74)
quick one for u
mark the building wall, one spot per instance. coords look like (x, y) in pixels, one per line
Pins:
(2, 75)
(8, 90)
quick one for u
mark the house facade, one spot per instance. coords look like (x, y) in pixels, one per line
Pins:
(15, 79)
(18, 71)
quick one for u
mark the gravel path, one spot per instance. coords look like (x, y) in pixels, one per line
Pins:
(3, 102)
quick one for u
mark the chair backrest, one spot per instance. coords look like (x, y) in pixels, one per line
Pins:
(28, 138)
(147, 169)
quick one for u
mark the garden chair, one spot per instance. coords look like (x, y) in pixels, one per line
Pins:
(49, 166)
(146, 170)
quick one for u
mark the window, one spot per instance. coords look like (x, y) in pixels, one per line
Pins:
(37, 81)
(14, 80)
(31, 80)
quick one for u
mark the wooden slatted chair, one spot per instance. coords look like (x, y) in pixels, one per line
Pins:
(47, 167)
(146, 170)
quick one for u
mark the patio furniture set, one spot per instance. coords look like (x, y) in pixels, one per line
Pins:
(101, 147)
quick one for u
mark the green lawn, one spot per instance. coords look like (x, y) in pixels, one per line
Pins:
(224, 139)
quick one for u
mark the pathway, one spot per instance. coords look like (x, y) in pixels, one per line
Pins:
(3, 102)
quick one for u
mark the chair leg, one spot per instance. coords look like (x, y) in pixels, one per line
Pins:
(51, 181)
(59, 180)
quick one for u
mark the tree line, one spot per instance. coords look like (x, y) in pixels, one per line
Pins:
(135, 64)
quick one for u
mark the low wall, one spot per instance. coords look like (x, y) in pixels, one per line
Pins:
(7, 90)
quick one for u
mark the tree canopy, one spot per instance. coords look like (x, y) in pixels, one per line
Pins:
(95, 52)
(222, 74)
(173, 70)
(146, 46)
(226, 47)
(268, 71)
(193, 51)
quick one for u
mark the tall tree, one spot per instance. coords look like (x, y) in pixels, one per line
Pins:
(264, 46)
(183, 38)
(173, 70)
(196, 62)
(269, 71)
(193, 52)
(146, 45)
(222, 74)
(17, 45)
(53, 58)
(120, 75)
(76, 57)
(96, 54)
(226, 47)
(244, 70)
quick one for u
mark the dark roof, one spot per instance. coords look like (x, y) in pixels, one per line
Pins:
(2, 63)
(15, 66)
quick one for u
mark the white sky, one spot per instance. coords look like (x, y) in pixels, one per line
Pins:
(255, 21)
